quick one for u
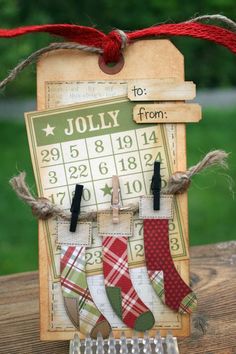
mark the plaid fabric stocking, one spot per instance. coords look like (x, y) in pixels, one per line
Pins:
(79, 304)
(166, 281)
(120, 291)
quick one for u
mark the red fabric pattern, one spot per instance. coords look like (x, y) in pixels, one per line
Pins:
(158, 258)
(111, 43)
(116, 274)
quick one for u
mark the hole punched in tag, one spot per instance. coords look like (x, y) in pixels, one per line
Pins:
(75, 207)
(111, 68)
(115, 200)
(156, 185)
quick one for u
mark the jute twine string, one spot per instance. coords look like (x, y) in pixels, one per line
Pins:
(223, 20)
(179, 182)
(55, 46)
(217, 17)
(34, 57)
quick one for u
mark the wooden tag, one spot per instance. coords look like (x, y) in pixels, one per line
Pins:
(161, 90)
(146, 207)
(106, 227)
(167, 113)
(81, 237)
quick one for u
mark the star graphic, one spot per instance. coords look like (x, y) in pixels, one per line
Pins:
(48, 130)
(106, 190)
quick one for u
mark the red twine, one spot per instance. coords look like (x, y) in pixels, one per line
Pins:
(112, 43)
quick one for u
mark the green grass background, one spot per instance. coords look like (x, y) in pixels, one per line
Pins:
(212, 211)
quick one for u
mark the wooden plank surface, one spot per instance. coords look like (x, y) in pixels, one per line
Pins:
(213, 278)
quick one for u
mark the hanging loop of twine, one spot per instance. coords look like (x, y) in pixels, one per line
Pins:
(178, 183)
(35, 56)
(111, 45)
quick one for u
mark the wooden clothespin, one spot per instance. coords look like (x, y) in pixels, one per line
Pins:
(115, 203)
(156, 185)
(75, 207)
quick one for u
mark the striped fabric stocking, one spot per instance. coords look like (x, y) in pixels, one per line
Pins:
(79, 304)
(120, 291)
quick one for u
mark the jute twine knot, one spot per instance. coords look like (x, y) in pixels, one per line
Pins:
(43, 209)
(115, 41)
(179, 182)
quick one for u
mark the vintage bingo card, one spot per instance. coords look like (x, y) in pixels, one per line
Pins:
(87, 144)
(67, 77)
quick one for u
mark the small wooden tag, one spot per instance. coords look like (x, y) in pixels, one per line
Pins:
(81, 237)
(106, 227)
(167, 113)
(161, 90)
(146, 207)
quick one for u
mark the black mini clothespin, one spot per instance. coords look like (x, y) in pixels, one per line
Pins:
(156, 185)
(75, 207)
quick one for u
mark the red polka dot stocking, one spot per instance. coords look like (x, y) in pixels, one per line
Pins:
(166, 281)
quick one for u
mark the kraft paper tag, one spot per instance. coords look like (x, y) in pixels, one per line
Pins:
(107, 228)
(146, 207)
(81, 237)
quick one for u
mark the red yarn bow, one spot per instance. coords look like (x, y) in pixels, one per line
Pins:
(112, 43)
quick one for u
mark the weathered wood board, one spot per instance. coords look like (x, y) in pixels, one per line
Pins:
(213, 330)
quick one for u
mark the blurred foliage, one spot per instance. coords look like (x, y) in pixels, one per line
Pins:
(212, 207)
(206, 63)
